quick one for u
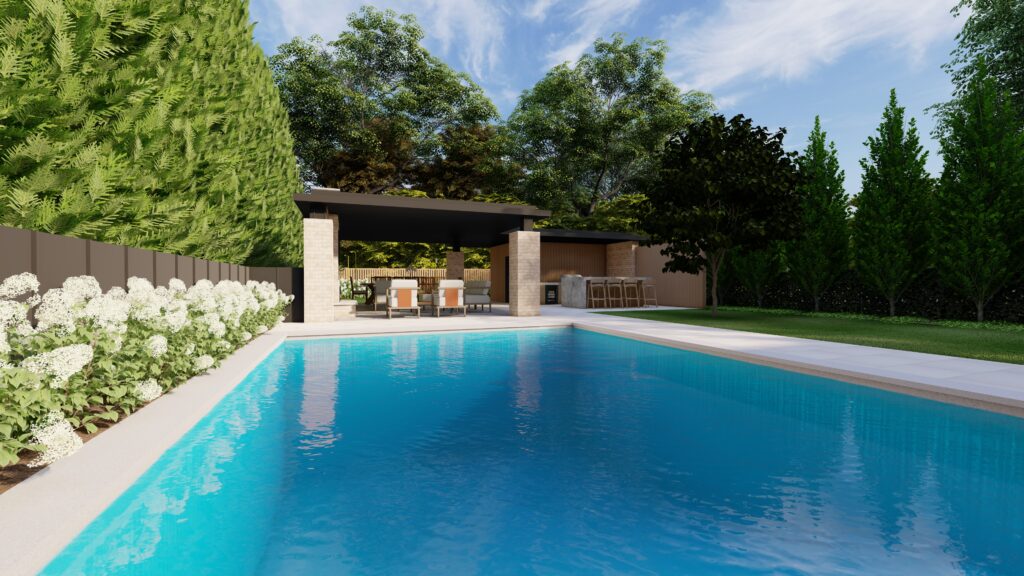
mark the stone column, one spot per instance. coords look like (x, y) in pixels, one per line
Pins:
(455, 265)
(620, 259)
(321, 287)
(524, 273)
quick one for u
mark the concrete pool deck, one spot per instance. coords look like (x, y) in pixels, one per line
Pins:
(40, 516)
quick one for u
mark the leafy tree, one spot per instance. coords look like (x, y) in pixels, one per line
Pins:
(821, 253)
(756, 269)
(892, 224)
(722, 186)
(981, 193)
(994, 31)
(589, 132)
(145, 123)
(372, 109)
(470, 164)
(620, 214)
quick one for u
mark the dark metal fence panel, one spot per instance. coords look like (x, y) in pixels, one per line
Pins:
(164, 268)
(54, 258)
(15, 251)
(107, 264)
(57, 257)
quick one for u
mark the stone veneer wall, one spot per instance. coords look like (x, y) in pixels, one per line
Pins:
(524, 273)
(320, 267)
(455, 265)
(620, 259)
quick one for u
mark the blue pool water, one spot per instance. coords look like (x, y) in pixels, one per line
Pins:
(564, 451)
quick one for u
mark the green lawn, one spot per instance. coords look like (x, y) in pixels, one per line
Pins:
(1001, 343)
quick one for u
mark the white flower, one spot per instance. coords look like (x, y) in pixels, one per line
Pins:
(109, 311)
(19, 284)
(13, 315)
(148, 391)
(246, 336)
(60, 364)
(190, 348)
(176, 285)
(157, 345)
(56, 311)
(57, 437)
(203, 363)
(82, 288)
(261, 329)
(136, 284)
(225, 344)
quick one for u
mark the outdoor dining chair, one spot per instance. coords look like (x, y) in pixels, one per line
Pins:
(450, 295)
(402, 296)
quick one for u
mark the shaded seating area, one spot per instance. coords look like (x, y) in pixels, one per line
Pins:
(528, 268)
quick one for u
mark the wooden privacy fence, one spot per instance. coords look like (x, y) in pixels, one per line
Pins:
(437, 273)
(53, 258)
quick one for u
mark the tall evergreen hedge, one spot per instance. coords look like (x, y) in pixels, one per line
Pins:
(149, 123)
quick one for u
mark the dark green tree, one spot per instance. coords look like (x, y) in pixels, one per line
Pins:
(756, 269)
(981, 193)
(373, 110)
(821, 254)
(145, 123)
(588, 132)
(722, 185)
(892, 224)
(993, 31)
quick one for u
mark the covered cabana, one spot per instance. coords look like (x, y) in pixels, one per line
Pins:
(330, 216)
(527, 264)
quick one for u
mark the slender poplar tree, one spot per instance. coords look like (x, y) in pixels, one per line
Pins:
(981, 193)
(821, 254)
(892, 225)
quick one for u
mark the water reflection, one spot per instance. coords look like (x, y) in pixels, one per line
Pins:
(319, 395)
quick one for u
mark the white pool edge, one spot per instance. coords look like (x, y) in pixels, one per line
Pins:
(42, 515)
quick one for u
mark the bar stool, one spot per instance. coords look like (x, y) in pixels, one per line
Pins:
(597, 293)
(615, 293)
(631, 292)
(650, 293)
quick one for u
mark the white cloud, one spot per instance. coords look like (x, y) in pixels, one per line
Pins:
(750, 40)
(538, 10)
(473, 31)
(590, 20)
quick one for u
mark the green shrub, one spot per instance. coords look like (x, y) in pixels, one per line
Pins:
(145, 123)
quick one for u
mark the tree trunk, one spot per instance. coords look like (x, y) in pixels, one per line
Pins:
(760, 300)
(817, 303)
(980, 305)
(715, 260)
(892, 306)
(714, 291)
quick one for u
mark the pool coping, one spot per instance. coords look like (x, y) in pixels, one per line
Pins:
(40, 516)
(931, 389)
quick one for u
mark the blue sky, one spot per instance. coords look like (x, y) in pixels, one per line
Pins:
(780, 62)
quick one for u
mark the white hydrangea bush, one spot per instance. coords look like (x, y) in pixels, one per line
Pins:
(93, 356)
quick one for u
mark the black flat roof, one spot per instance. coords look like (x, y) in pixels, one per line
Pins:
(374, 217)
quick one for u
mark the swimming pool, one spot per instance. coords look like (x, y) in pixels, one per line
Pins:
(564, 451)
